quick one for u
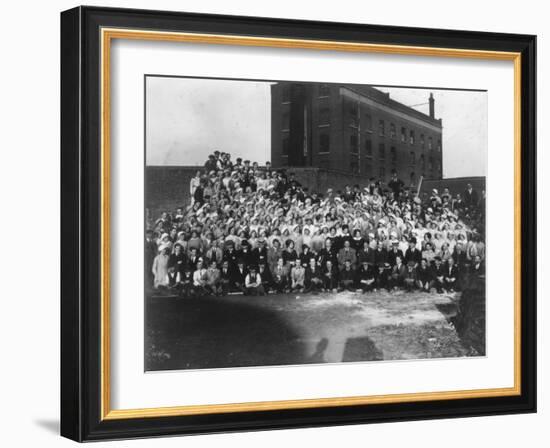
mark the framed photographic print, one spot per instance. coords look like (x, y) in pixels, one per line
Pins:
(275, 224)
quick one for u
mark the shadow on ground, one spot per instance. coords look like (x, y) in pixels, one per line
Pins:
(214, 333)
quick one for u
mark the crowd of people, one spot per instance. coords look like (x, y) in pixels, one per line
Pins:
(254, 230)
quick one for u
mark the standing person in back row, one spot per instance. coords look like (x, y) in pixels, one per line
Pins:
(470, 198)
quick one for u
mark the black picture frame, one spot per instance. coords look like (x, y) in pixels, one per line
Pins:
(81, 224)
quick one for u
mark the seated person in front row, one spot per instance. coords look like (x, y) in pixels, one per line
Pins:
(409, 278)
(365, 276)
(451, 275)
(238, 276)
(398, 273)
(298, 276)
(438, 275)
(347, 277)
(267, 280)
(424, 276)
(199, 279)
(225, 278)
(330, 277)
(280, 276)
(382, 279)
(314, 277)
(253, 283)
(213, 284)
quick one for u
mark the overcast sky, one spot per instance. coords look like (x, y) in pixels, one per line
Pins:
(187, 119)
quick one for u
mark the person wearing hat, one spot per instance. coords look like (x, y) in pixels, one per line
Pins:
(394, 253)
(410, 279)
(306, 256)
(260, 253)
(395, 184)
(366, 276)
(253, 283)
(412, 253)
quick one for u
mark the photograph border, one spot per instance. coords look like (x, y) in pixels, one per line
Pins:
(86, 37)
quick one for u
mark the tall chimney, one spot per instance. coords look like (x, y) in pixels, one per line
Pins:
(432, 106)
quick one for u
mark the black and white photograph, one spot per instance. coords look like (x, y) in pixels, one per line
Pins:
(292, 223)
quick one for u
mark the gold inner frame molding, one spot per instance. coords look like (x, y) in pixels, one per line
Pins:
(107, 36)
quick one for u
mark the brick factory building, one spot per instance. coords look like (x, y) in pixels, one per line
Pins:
(353, 129)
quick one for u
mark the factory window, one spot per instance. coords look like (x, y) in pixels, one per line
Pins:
(368, 148)
(393, 133)
(412, 158)
(430, 143)
(403, 134)
(324, 90)
(430, 163)
(352, 111)
(324, 116)
(422, 140)
(413, 178)
(353, 143)
(368, 122)
(381, 151)
(382, 173)
(285, 121)
(285, 144)
(422, 162)
(324, 142)
(285, 94)
(411, 137)
(393, 154)
(354, 165)
(381, 128)
(438, 145)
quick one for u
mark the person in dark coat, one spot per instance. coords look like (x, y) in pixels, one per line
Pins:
(438, 275)
(424, 275)
(413, 254)
(238, 276)
(231, 255)
(347, 277)
(330, 276)
(470, 197)
(225, 277)
(366, 253)
(259, 254)
(398, 273)
(280, 276)
(394, 253)
(306, 256)
(409, 279)
(177, 260)
(451, 276)
(382, 280)
(265, 275)
(314, 276)
(380, 254)
(366, 276)
(327, 253)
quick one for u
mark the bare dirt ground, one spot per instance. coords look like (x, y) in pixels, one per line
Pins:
(297, 329)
